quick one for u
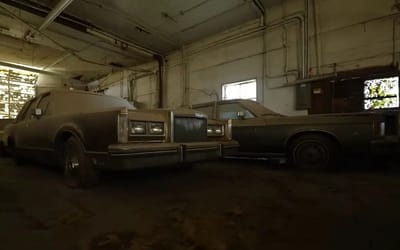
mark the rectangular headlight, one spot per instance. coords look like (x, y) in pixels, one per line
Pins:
(156, 128)
(215, 130)
(137, 128)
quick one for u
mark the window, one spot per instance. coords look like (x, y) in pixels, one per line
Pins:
(230, 111)
(28, 114)
(240, 90)
(16, 88)
(44, 104)
(381, 93)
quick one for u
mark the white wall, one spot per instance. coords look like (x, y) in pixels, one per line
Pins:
(48, 82)
(351, 34)
(138, 84)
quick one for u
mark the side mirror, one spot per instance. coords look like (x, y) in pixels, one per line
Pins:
(38, 112)
(240, 115)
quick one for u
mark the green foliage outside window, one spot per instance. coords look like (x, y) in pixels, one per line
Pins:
(381, 93)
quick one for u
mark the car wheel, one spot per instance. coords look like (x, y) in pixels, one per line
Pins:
(78, 169)
(313, 152)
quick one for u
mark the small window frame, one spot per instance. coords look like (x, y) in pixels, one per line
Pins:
(248, 81)
(381, 97)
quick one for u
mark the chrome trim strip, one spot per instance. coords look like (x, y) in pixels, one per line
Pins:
(143, 153)
(202, 149)
(96, 153)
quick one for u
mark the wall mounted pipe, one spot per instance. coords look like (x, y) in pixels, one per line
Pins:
(160, 61)
(300, 19)
(296, 17)
(316, 38)
(306, 35)
(264, 58)
(394, 60)
(260, 7)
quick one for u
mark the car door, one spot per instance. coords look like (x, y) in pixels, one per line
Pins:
(245, 128)
(39, 126)
(22, 134)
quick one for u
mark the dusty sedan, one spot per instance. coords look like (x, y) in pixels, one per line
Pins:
(307, 141)
(87, 132)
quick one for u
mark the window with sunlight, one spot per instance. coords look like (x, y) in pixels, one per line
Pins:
(381, 93)
(240, 90)
(16, 87)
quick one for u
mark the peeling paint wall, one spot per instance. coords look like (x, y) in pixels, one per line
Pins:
(350, 35)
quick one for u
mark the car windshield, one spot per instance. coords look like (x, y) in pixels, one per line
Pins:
(257, 109)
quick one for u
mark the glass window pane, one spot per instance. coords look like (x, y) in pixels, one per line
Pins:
(16, 88)
(381, 93)
(230, 111)
(240, 90)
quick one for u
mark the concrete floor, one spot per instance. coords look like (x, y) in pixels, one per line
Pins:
(225, 206)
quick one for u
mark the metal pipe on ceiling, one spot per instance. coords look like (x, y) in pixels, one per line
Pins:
(54, 13)
(118, 41)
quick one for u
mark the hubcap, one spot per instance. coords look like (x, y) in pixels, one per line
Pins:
(71, 167)
(312, 153)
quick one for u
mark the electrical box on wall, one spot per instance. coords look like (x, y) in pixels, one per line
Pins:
(303, 96)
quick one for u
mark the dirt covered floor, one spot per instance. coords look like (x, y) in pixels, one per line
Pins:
(231, 205)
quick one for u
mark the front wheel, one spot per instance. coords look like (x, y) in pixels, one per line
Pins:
(78, 169)
(313, 152)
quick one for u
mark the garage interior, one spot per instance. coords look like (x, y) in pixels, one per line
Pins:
(296, 57)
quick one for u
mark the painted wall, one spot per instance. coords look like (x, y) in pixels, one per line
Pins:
(350, 34)
(48, 82)
(138, 85)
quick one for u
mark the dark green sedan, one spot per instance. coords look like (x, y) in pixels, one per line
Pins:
(314, 141)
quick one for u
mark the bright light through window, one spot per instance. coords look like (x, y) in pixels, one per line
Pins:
(240, 90)
(16, 87)
(381, 93)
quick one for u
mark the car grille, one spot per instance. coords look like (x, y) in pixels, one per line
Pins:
(190, 129)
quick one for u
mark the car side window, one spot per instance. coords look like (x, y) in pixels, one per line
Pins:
(44, 105)
(30, 110)
(208, 110)
(23, 111)
(230, 111)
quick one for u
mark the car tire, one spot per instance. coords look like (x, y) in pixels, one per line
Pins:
(313, 152)
(79, 171)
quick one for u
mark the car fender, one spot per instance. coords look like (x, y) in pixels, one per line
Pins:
(72, 129)
(299, 132)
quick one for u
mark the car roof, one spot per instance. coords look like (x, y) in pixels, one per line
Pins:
(70, 91)
(223, 102)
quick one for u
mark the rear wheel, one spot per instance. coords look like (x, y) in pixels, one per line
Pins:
(78, 169)
(313, 152)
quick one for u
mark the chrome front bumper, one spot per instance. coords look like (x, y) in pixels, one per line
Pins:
(141, 155)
